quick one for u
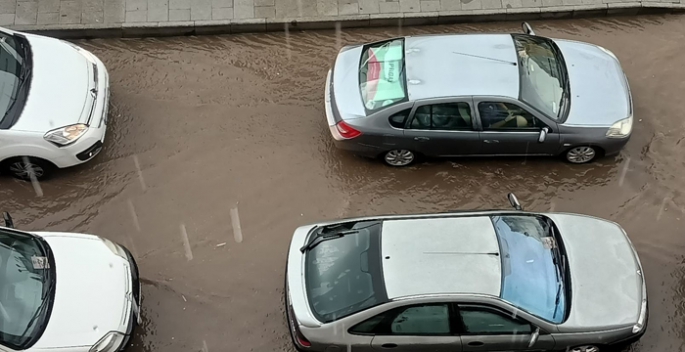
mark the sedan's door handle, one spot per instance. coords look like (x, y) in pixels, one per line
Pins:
(476, 343)
(491, 141)
(389, 345)
(421, 139)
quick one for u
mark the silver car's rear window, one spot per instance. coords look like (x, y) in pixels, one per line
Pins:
(343, 274)
(381, 74)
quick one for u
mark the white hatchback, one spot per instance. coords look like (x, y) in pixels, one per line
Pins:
(53, 104)
(65, 292)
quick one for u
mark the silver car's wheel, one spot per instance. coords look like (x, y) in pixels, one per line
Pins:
(588, 348)
(581, 155)
(399, 157)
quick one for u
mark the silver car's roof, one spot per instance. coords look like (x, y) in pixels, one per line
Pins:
(441, 255)
(461, 65)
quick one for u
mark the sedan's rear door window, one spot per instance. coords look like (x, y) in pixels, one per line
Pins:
(431, 319)
(445, 117)
(381, 74)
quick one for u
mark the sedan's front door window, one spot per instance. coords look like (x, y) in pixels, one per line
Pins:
(505, 116)
(485, 321)
(446, 117)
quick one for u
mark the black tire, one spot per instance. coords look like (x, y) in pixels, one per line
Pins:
(22, 167)
(399, 157)
(581, 154)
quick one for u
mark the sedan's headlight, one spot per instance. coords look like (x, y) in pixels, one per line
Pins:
(115, 248)
(111, 342)
(621, 128)
(66, 135)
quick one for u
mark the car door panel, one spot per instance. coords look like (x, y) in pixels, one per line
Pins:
(417, 343)
(518, 143)
(505, 343)
(447, 139)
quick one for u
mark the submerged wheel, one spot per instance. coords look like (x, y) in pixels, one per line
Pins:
(26, 168)
(588, 348)
(399, 157)
(581, 155)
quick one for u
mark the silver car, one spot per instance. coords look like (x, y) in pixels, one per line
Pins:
(500, 280)
(478, 95)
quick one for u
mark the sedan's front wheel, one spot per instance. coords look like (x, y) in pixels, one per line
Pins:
(27, 168)
(399, 157)
(581, 155)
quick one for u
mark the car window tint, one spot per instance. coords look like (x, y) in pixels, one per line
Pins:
(397, 120)
(449, 116)
(505, 116)
(487, 321)
(368, 326)
(422, 320)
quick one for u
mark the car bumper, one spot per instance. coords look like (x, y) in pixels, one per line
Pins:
(92, 142)
(613, 146)
(136, 294)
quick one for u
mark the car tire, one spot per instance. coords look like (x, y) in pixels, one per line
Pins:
(399, 157)
(21, 167)
(581, 154)
(585, 348)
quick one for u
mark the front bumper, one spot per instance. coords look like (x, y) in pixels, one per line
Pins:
(136, 295)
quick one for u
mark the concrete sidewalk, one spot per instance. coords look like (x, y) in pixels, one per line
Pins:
(102, 18)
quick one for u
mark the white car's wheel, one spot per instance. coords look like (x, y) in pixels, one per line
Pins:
(27, 168)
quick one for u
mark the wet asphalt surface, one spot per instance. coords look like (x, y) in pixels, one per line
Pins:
(209, 132)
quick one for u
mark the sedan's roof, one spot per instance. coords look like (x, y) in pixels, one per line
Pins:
(441, 255)
(461, 65)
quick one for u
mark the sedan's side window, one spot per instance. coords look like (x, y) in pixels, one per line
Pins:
(397, 120)
(506, 116)
(425, 319)
(448, 116)
(486, 321)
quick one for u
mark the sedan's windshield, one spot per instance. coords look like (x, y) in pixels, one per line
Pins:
(11, 72)
(543, 74)
(532, 266)
(26, 283)
(381, 74)
(342, 273)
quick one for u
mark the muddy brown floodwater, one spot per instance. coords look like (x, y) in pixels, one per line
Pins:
(208, 130)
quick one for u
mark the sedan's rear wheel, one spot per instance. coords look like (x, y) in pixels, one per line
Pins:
(581, 155)
(399, 157)
(587, 348)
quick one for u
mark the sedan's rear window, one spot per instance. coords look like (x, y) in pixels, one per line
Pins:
(343, 273)
(381, 74)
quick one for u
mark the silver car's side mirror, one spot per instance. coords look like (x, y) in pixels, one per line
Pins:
(534, 337)
(527, 28)
(543, 134)
(514, 201)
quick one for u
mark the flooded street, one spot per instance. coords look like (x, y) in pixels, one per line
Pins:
(218, 148)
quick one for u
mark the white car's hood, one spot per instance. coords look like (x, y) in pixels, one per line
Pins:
(59, 88)
(90, 292)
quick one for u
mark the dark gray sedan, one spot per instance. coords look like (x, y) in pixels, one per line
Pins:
(478, 95)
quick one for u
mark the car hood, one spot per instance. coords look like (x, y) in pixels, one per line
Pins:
(61, 79)
(600, 94)
(90, 292)
(605, 275)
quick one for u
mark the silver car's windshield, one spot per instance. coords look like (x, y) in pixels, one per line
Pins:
(26, 283)
(381, 74)
(343, 273)
(532, 266)
(543, 74)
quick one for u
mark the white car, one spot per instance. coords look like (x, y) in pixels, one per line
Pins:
(53, 104)
(65, 292)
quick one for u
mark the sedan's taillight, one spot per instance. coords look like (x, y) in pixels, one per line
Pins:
(295, 329)
(346, 131)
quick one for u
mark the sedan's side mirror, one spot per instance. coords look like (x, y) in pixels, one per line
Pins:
(527, 28)
(534, 337)
(514, 201)
(8, 220)
(543, 134)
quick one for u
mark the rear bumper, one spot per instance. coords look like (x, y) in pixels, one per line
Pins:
(355, 147)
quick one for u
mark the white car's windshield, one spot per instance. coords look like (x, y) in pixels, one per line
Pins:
(542, 74)
(11, 73)
(26, 283)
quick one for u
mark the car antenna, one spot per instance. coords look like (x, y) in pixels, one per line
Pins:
(486, 58)
(8, 220)
(514, 201)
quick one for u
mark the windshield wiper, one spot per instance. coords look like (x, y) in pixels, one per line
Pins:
(23, 78)
(324, 235)
(321, 238)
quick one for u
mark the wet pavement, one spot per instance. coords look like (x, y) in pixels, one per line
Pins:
(218, 148)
